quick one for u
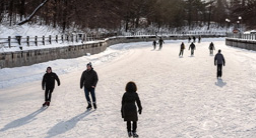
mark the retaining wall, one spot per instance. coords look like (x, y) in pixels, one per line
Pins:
(241, 43)
(29, 57)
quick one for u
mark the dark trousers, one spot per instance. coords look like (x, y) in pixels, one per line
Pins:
(160, 46)
(211, 51)
(154, 46)
(92, 91)
(181, 52)
(219, 70)
(133, 125)
(192, 52)
(48, 94)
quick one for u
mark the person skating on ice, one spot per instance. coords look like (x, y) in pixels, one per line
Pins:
(194, 39)
(211, 48)
(189, 39)
(154, 44)
(182, 47)
(219, 61)
(192, 47)
(199, 38)
(129, 109)
(89, 79)
(160, 41)
(48, 84)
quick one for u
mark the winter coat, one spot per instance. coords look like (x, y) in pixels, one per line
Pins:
(182, 47)
(154, 43)
(161, 41)
(192, 46)
(129, 109)
(88, 79)
(211, 47)
(219, 59)
(49, 80)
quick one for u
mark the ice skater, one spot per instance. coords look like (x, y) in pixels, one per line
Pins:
(219, 60)
(154, 44)
(189, 39)
(48, 84)
(129, 109)
(199, 38)
(89, 81)
(192, 47)
(194, 39)
(211, 48)
(160, 41)
(182, 47)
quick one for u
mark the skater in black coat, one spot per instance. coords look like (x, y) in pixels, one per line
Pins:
(154, 44)
(211, 48)
(48, 84)
(189, 39)
(129, 109)
(89, 81)
(219, 60)
(161, 41)
(194, 39)
(182, 47)
(192, 47)
(199, 38)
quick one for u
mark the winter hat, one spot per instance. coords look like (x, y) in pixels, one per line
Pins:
(89, 64)
(219, 51)
(48, 68)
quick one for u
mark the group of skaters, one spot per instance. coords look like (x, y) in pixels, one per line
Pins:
(160, 42)
(88, 82)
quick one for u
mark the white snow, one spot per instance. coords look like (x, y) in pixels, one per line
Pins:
(181, 97)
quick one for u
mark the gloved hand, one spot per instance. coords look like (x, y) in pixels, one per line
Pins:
(140, 111)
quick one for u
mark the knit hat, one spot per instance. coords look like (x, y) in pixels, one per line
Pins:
(48, 68)
(89, 64)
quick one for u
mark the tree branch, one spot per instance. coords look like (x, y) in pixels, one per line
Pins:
(33, 13)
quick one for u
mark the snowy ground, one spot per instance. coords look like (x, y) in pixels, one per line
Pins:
(181, 97)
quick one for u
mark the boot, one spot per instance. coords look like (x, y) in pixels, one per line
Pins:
(135, 135)
(94, 106)
(45, 103)
(89, 106)
(129, 134)
(48, 103)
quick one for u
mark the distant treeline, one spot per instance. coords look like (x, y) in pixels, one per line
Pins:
(127, 14)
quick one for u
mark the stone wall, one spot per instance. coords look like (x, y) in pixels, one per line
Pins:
(26, 58)
(241, 43)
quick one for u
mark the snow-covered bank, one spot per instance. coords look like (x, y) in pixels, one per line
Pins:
(180, 96)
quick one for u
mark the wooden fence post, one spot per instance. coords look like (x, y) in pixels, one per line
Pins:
(9, 41)
(36, 40)
(62, 38)
(57, 38)
(27, 40)
(50, 39)
(43, 40)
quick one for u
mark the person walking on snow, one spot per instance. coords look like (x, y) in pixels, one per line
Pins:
(48, 84)
(161, 41)
(182, 47)
(129, 109)
(89, 81)
(192, 47)
(211, 48)
(219, 60)
(154, 44)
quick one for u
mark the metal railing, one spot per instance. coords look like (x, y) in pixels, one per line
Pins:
(242, 36)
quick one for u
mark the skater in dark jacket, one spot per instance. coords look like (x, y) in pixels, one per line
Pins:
(89, 81)
(192, 47)
(161, 41)
(189, 39)
(154, 44)
(48, 84)
(194, 39)
(211, 48)
(182, 47)
(219, 60)
(199, 38)
(129, 109)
